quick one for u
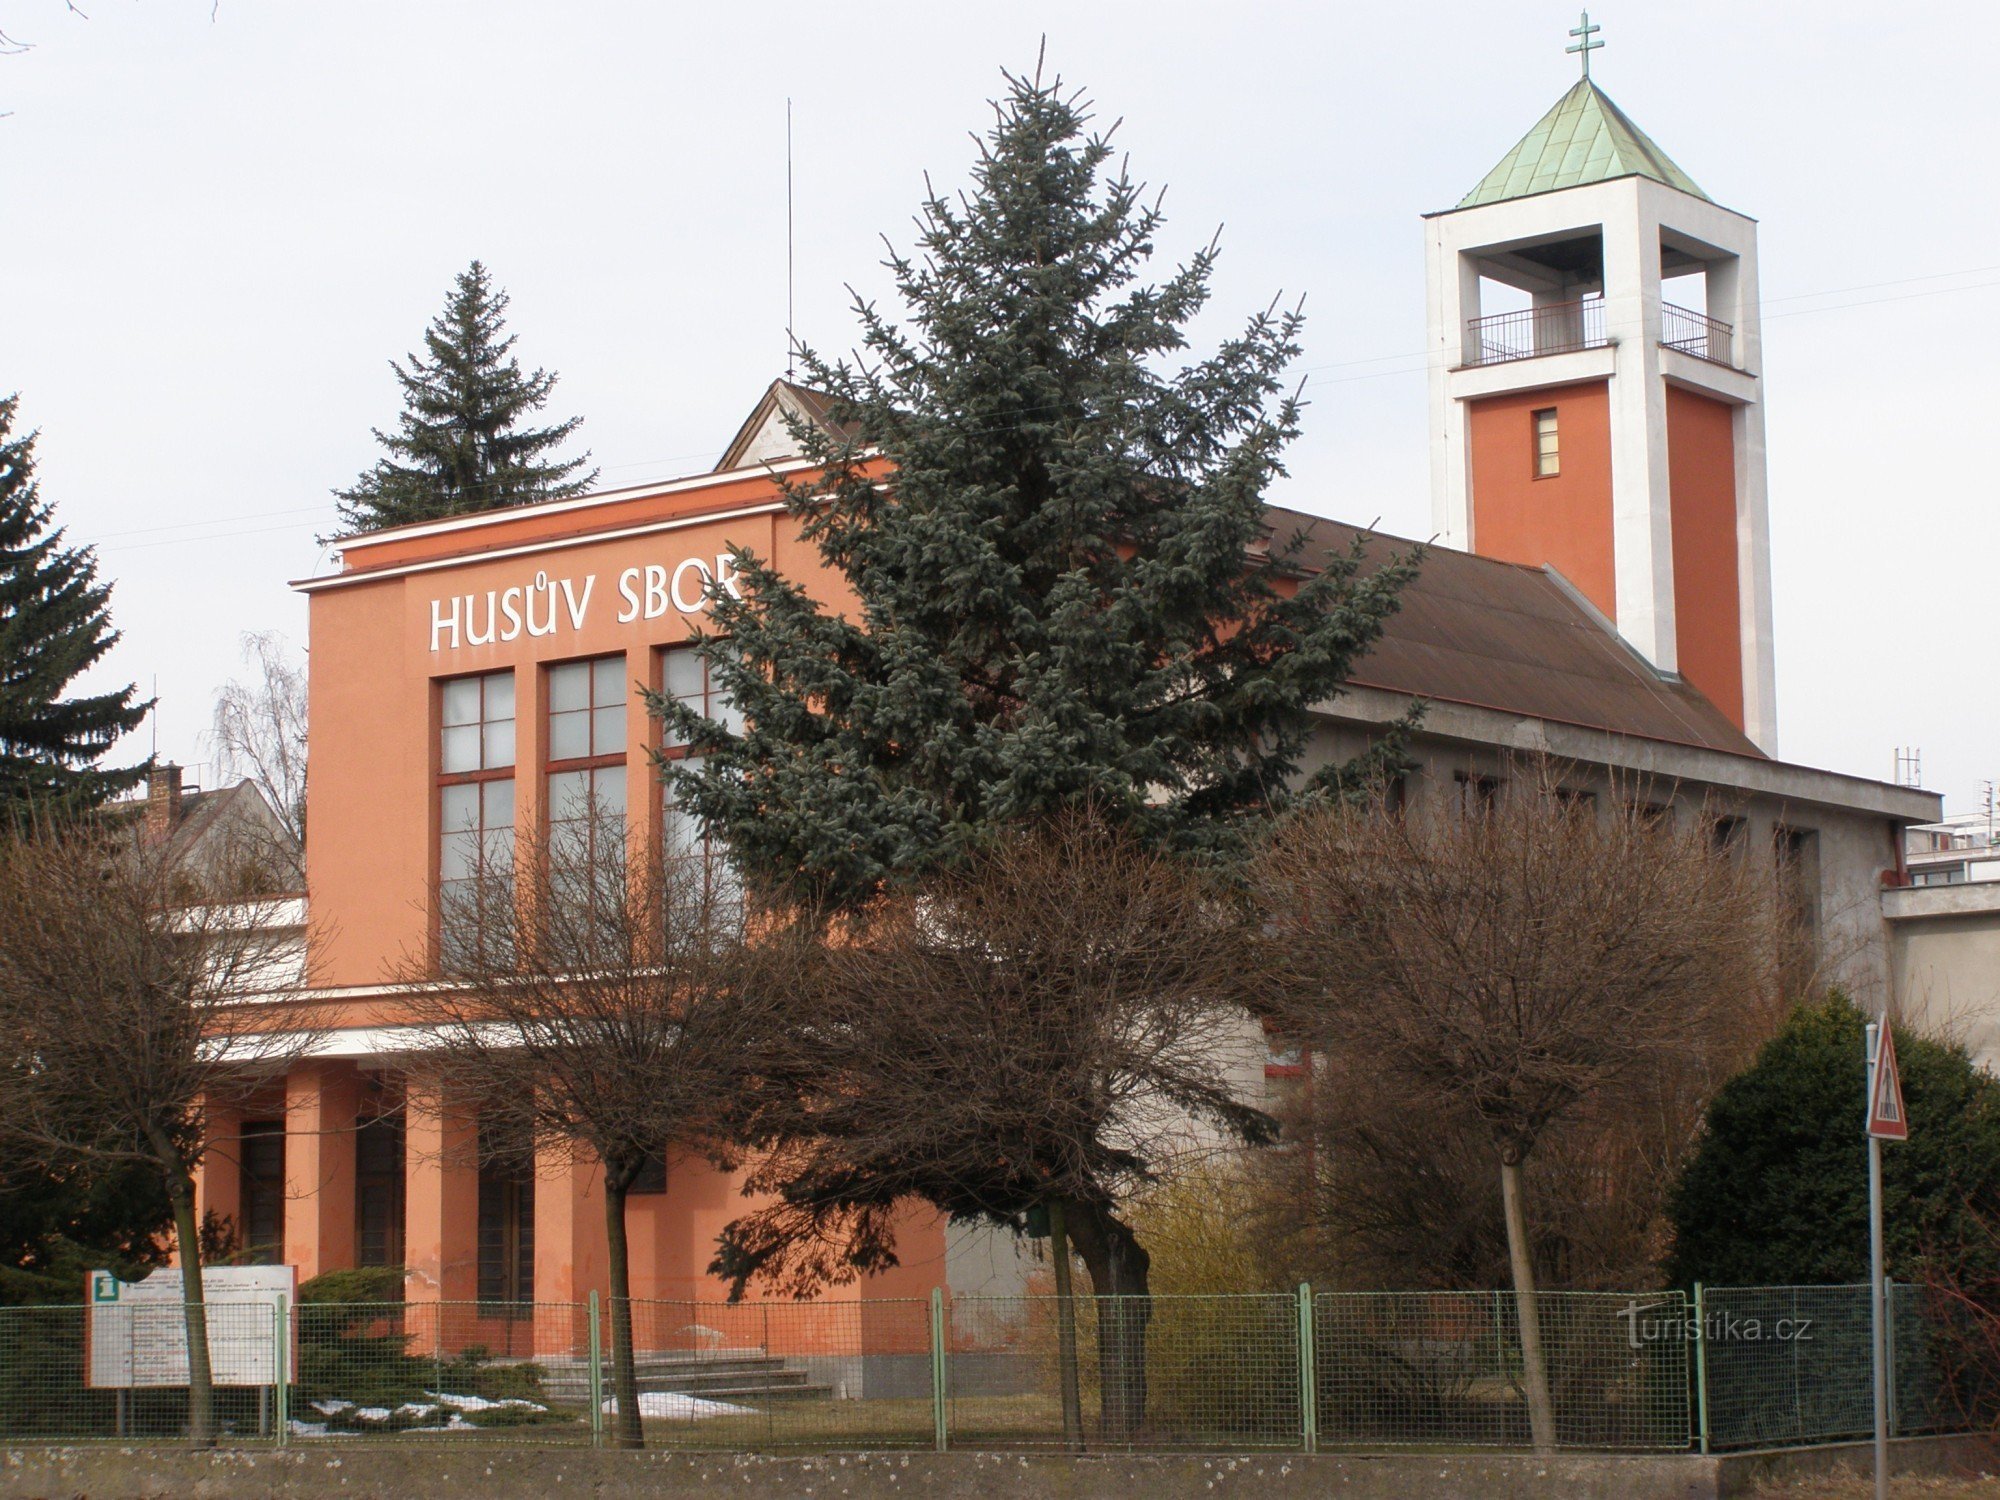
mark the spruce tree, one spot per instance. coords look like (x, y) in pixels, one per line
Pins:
(1067, 593)
(55, 624)
(458, 446)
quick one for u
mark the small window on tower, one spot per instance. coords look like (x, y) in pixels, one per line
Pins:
(1548, 457)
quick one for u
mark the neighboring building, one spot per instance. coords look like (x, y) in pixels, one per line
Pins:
(1960, 850)
(1603, 595)
(231, 835)
(1946, 932)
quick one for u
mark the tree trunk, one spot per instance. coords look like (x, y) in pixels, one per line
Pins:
(194, 1310)
(1118, 1266)
(1534, 1366)
(1072, 1398)
(628, 1431)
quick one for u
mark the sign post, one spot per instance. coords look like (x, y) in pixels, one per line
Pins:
(1887, 1121)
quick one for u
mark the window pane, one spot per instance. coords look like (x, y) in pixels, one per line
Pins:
(497, 850)
(610, 790)
(725, 709)
(461, 701)
(682, 832)
(684, 675)
(498, 746)
(460, 751)
(458, 853)
(569, 796)
(458, 808)
(607, 681)
(497, 803)
(499, 695)
(607, 733)
(569, 735)
(569, 686)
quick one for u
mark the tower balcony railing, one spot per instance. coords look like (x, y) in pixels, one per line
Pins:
(1697, 334)
(1563, 327)
(1552, 328)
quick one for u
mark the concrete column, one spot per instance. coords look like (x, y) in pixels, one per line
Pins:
(1453, 300)
(1641, 507)
(1732, 295)
(320, 1103)
(218, 1181)
(642, 782)
(570, 1243)
(440, 1198)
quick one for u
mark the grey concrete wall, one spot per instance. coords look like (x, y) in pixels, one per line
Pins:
(1944, 954)
(1857, 822)
(495, 1473)
(383, 1473)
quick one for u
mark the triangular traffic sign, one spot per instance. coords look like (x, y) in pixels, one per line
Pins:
(1886, 1117)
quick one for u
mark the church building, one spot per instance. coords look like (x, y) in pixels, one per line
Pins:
(1600, 591)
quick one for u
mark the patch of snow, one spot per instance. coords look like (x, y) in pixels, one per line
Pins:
(677, 1406)
(481, 1403)
(307, 1429)
(331, 1408)
(371, 1413)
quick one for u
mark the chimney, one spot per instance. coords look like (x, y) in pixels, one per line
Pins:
(163, 800)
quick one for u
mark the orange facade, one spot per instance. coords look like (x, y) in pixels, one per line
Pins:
(507, 598)
(1701, 470)
(1560, 520)
(1564, 519)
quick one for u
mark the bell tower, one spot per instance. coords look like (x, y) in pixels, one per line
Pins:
(1595, 401)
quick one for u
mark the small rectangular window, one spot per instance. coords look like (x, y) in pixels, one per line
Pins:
(1548, 455)
(1797, 857)
(652, 1176)
(1475, 793)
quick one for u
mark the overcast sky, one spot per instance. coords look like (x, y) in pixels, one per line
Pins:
(215, 230)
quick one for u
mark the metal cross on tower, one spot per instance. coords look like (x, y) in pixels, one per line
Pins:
(1585, 44)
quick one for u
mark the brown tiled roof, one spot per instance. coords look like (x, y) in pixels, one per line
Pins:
(1498, 635)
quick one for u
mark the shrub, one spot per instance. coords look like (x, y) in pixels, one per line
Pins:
(1776, 1192)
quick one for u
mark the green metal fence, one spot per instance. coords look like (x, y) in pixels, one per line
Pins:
(1423, 1368)
(1791, 1365)
(1738, 1367)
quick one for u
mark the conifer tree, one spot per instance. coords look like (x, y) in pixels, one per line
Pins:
(55, 624)
(1066, 590)
(458, 446)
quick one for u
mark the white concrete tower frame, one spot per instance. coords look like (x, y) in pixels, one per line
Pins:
(1639, 221)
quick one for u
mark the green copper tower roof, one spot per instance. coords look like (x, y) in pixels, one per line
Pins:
(1585, 138)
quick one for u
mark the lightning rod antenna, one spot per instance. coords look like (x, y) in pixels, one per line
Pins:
(791, 367)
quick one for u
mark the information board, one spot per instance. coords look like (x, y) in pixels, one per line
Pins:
(138, 1329)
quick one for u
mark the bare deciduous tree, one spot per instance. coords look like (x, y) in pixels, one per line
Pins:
(602, 1012)
(131, 1002)
(259, 733)
(1511, 961)
(1046, 1027)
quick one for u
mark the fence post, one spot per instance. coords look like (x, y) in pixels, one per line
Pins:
(1701, 1367)
(938, 1407)
(594, 1344)
(281, 1376)
(1889, 1346)
(1308, 1371)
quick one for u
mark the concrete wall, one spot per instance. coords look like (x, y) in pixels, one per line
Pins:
(1945, 957)
(379, 1473)
(1858, 823)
